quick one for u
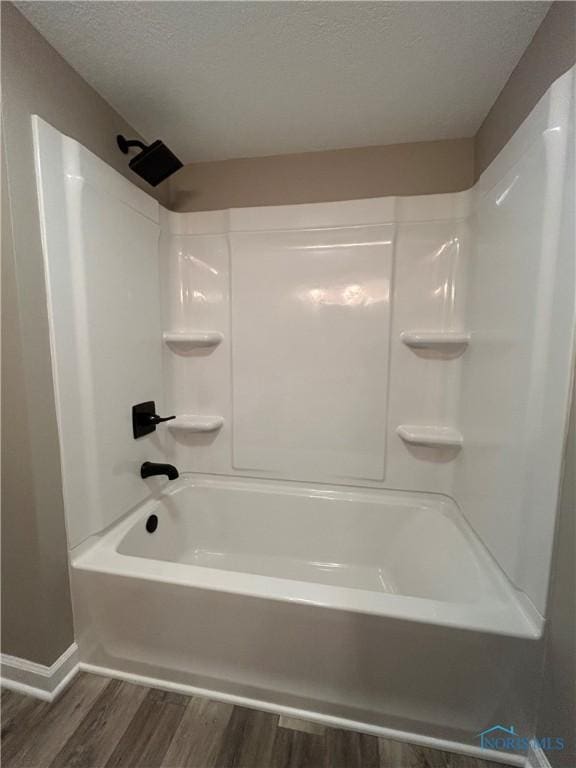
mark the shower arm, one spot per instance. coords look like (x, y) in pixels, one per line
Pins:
(125, 144)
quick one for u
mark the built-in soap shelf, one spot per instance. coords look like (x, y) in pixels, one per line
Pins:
(435, 339)
(185, 340)
(194, 423)
(430, 435)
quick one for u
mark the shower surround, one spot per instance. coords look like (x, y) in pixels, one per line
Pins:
(370, 400)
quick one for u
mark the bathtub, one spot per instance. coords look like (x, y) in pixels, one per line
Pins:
(378, 609)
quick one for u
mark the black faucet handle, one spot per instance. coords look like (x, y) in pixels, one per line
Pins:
(155, 419)
(145, 418)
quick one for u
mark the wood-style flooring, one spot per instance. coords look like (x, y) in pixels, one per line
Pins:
(103, 723)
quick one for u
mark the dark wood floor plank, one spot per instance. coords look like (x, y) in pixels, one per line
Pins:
(248, 740)
(169, 697)
(7, 698)
(349, 749)
(297, 749)
(11, 704)
(463, 761)
(96, 737)
(198, 739)
(51, 725)
(394, 754)
(434, 758)
(148, 736)
(298, 724)
(16, 721)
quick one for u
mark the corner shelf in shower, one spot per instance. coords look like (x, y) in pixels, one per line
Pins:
(430, 435)
(184, 340)
(195, 423)
(435, 339)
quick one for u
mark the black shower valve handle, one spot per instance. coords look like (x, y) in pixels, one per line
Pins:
(153, 418)
(145, 419)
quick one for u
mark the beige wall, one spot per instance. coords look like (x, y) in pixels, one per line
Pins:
(36, 613)
(345, 174)
(551, 53)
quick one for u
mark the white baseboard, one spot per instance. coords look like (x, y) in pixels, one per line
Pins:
(327, 720)
(536, 757)
(37, 680)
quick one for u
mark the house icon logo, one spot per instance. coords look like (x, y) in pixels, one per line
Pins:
(504, 738)
(498, 737)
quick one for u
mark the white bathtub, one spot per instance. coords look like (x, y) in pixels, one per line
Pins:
(381, 608)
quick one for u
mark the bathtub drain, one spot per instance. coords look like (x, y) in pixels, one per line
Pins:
(152, 523)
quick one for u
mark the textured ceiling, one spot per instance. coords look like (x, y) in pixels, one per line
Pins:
(217, 80)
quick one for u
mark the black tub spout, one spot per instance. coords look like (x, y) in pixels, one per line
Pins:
(151, 469)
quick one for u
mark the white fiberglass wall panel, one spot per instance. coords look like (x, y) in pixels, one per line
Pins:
(424, 383)
(311, 322)
(428, 253)
(101, 256)
(516, 374)
(196, 297)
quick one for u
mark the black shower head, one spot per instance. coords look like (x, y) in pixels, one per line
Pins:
(154, 164)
